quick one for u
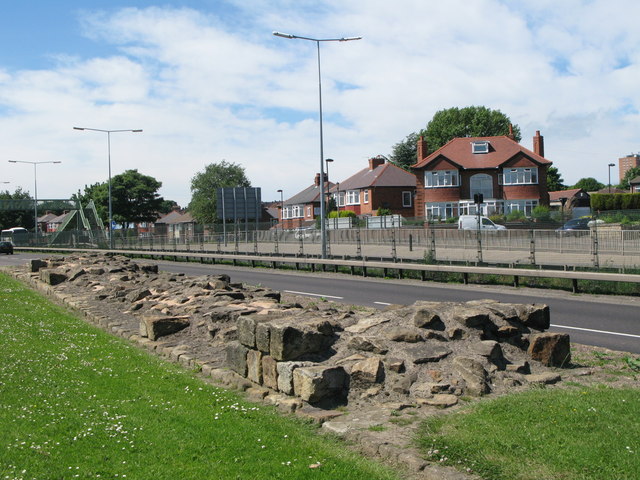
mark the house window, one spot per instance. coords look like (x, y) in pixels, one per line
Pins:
(519, 176)
(308, 212)
(353, 197)
(406, 199)
(292, 211)
(441, 210)
(480, 147)
(365, 196)
(440, 178)
(525, 206)
(339, 198)
(481, 183)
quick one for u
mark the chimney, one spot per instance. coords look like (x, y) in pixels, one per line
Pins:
(511, 135)
(422, 149)
(376, 162)
(538, 144)
(316, 181)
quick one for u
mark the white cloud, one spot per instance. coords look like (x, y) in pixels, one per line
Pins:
(207, 86)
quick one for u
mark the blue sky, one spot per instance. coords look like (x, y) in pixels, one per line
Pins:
(207, 81)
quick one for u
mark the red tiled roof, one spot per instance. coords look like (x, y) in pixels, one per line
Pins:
(557, 195)
(385, 175)
(501, 150)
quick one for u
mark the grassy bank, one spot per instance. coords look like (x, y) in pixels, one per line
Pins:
(76, 402)
(578, 433)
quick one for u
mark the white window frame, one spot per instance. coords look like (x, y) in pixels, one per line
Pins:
(292, 211)
(340, 197)
(525, 206)
(519, 176)
(442, 210)
(365, 196)
(479, 147)
(407, 199)
(441, 178)
(353, 197)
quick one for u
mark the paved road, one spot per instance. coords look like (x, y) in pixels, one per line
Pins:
(606, 321)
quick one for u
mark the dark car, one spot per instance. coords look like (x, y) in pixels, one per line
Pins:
(575, 224)
(6, 247)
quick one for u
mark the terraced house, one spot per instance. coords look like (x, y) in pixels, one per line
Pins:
(507, 175)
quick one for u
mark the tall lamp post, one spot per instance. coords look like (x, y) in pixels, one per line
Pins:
(281, 207)
(328, 161)
(610, 165)
(323, 227)
(35, 191)
(109, 132)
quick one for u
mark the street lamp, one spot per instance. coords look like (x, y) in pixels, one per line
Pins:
(281, 207)
(109, 132)
(35, 191)
(610, 165)
(323, 229)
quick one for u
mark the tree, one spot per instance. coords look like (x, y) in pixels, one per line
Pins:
(168, 206)
(12, 217)
(475, 121)
(134, 198)
(554, 180)
(204, 187)
(630, 175)
(589, 184)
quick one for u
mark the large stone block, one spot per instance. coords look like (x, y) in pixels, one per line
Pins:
(426, 318)
(472, 317)
(254, 366)
(291, 341)
(473, 373)
(160, 326)
(236, 358)
(247, 331)
(552, 349)
(263, 337)
(314, 384)
(269, 372)
(52, 277)
(285, 375)
(536, 316)
(36, 264)
(370, 370)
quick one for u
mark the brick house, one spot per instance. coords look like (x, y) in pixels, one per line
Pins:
(303, 208)
(380, 185)
(176, 225)
(509, 176)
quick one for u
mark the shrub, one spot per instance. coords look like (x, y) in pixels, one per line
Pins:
(515, 216)
(383, 211)
(541, 213)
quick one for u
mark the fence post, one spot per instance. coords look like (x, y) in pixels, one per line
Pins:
(532, 247)
(594, 237)
(275, 242)
(394, 253)
(358, 244)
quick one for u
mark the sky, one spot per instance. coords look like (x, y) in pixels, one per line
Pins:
(208, 81)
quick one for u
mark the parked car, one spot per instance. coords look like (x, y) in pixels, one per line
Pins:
(305, 232)
(470, 222)
(6, 247)
(575, 224)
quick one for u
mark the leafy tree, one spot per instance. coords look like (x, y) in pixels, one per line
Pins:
(554, 180)
(16, 218)
(475, 121)
(167, 206)
(589, 184)
(134, 198)
(630, 175)
(204, 187)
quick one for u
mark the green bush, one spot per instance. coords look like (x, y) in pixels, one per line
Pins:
(515, 216)
(541, 213)
(497, 218)
(383, 211)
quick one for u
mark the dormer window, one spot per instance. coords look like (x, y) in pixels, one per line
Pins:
(479, 147)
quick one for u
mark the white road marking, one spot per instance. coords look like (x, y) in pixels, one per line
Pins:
(382, 303)
(598, 331)
(313, 294)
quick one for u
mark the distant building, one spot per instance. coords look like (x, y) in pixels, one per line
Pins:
(627, 163)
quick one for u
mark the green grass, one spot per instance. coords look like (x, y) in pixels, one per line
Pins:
(76, 402)
(579, 433)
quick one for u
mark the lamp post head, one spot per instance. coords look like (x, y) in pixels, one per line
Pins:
(284, 35)
(329, 160)
(279, 191)
(612, 164)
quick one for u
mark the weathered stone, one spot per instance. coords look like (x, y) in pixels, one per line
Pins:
(546, 378)
(456, 333)
(404, 334)
(395, 365)
(366, 323)
(254, 366)
(75, 273)
(535, 316)
(474, 375)
(291, 341)
(285, 375)
(519, 367)
(506, 331)
(138, 295)
(425, 318)
(370, 370)
(160, 326)
(550, 348)
(491, 350)
(470, 317)
(247, 331)
(442, 400)
(314, 384)
(368, 344)
(35, 264)
(236, 358)
(269, 372)
(425, 353)
(263, 336)
(52, 277)
(96, 271)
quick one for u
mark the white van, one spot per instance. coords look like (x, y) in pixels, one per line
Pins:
(470, 222)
